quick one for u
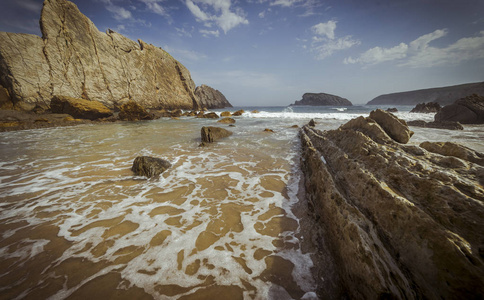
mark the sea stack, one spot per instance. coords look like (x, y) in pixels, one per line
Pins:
(322, 99)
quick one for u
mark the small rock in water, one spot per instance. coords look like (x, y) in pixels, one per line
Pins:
(211, 134)
(392, 110)
(226, 114)
(149, 166)
(312, 123)
(238, 113)
(226, 121)
(268, 130)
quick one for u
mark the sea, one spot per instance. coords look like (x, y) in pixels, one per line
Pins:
(226, 221)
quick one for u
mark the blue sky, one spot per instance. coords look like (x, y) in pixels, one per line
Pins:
(270, 52)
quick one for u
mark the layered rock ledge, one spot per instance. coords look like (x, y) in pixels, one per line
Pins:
(401, 221)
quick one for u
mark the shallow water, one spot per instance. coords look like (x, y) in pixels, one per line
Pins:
(220, 223)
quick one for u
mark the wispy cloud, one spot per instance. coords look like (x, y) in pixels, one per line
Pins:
(325, 43)
(420, 54)
(225, 16)
(119, 13)
(33, 6)
(209, 33)
(185, 55)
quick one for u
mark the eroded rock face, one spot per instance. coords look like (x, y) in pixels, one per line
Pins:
(149, 166)
(440, 125)
(396, 128)
(211, 98)
(79, 108)
(400, 221)
(425, 108)
(468, 110)
(73, 58)
(132, 111)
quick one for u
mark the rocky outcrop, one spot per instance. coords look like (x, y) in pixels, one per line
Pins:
(396, 128)
(455, 150)
(322, 99)
(401, 222)
(132, 111)
(211, 98)
(426, 108)
(211, 134)
(438, 125)
(149, 166)
(441, 95)
(5, 101)
(79, 108)
(468, 110)
(73, 58)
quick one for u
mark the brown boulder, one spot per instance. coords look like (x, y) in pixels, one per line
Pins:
(226, 121)
(238, 113)
(210, 115)
(211, 134)
(396, 128)
(226, 114)
(79, 108)
(149, 166)
(132, 111)
(468, 110)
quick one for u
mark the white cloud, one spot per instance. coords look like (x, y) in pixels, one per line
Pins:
(155, 7)
(420, 54)
(208, 33)
(33, 6)
(328, 48)
(119, 13)
(183, 32)
(185, 54)
(262, 14)
(325, 29)
(285, 3)
(224, 17)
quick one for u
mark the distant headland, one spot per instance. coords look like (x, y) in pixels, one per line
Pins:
(322, 99)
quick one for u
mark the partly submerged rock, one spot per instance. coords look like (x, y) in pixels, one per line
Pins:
(226, 121)
(211, 134)
(238, 113)
(226, 114)
(79, 108)
(468, 110)
(396, 128)
(439, 125)
(429, 107)
(268, 130)
(401, 222)
(392, 110)
(149, 166)
(132, 111)
(210, 115)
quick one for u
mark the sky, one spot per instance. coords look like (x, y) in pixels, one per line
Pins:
(271, 52)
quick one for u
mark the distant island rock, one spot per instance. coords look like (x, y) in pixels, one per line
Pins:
(322, 99)
(74, 59)
(210, 97)
(441, 95)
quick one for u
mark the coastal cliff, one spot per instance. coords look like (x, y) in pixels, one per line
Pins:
(74, 59)
(441, 95)
(402, 221)
(322, 99)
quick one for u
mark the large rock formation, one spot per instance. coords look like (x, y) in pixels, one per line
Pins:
(73, 58)
(322, 99)
(442, 95)
(79, 108)
(426, 108)
(400, 221)
(468, 110)
(211, 98)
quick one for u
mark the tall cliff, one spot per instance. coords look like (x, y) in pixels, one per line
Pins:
(73, 58)
(442, 95)
(322, 99)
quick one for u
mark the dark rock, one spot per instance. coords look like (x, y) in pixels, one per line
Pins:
(79, 108)
(438, 125)
(396, 128)
(226, 121)
(211, 98)
(149, 166)
(210, 115)
(226, 114)
(430, 107)
(392, 110)
(211, 134)
(255, 111)
(238, 113)
(312, 123)
(400, 222)
(268, 130)
(322, 99)
(443, 95)
(132, 111)
(468, 110)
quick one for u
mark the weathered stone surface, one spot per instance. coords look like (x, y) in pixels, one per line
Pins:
(392, 110)
(5, 100)
(73, 58)
(442, 95)
(226, 114)
(132, 111)
(210, 115)
(468, 110)
(439, 125)
(226, 121)
(401, 222)
(322, 99)
(430, 107)
(79, 108)
(149, 166)
(19, 120)
(211, 98)
(396, 128)
(455, 150)
(211, 134)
